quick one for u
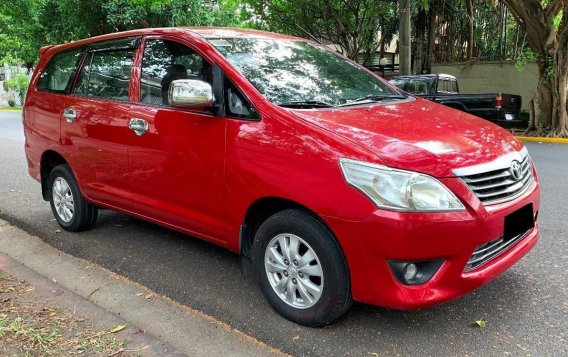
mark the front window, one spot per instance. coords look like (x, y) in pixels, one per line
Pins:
(295, 72)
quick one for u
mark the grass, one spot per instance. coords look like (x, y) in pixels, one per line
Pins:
(29, 328)
(16, 108)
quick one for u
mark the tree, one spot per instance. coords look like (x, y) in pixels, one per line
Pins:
(26, 25)
(404, 37)
(547, 36)
(469, 8)
(19, 83)
(352, 25)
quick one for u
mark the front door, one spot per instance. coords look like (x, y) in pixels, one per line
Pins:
(177, 159)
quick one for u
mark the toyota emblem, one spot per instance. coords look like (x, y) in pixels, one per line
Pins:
(516, 171)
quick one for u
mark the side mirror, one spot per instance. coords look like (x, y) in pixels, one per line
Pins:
(190, 93)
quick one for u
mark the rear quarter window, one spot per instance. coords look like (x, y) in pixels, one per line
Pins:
(57, 76)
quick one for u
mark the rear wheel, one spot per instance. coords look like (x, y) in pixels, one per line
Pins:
(71, 210)
(301, 269)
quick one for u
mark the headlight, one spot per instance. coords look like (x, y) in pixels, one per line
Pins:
(398, 189)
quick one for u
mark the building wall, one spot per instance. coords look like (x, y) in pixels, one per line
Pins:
(490, 77)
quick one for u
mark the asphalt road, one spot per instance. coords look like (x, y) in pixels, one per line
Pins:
(526, 309)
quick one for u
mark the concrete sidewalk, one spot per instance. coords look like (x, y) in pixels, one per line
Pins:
(170, 329)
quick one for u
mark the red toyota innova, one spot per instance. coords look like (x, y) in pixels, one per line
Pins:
(333, 183)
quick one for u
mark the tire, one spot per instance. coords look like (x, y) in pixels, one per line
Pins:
(71, 210)
(290, 281)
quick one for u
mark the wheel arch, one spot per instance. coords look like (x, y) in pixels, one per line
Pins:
(49, 159)
(262, 209)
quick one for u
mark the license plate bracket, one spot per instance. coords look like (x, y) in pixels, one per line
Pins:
(519, 222)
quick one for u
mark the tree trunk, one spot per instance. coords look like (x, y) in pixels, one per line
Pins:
(431, 39)
(541, 108)
(404, 37)
(548, 109)
(469, 8)
(560, 90)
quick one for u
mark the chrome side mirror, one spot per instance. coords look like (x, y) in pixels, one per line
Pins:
(190, 93)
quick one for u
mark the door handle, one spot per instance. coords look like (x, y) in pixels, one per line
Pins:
(69, 114)
(138, 126)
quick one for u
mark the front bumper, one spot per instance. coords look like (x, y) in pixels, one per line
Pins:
(368, 245)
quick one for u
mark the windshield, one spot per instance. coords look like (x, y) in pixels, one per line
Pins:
(295, 72)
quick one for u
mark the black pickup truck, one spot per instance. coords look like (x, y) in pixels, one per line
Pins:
(500, 108)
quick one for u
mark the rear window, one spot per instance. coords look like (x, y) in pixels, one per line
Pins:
(58, 74)
(106, 74)
(420, 86)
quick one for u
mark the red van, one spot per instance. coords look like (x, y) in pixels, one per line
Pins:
(335, 185)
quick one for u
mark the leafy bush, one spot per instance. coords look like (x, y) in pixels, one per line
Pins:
(19, 82)
(11, 102)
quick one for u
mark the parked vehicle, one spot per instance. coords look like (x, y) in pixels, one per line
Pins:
(502, 109)
(332, 183)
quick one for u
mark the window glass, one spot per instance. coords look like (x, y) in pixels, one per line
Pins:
(295, 71)
(454, 87)
(106, 75)
(236, 104)
(165, 61)
(399, 82)
(58, 74)
(420, 85)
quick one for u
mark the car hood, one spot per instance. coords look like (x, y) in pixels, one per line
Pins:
(417, 135)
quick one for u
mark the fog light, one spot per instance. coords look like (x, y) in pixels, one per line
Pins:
(416, 272)
(409, 272)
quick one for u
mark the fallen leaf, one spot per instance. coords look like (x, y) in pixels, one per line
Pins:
(480, 323)
(149, 296)
(139, 294)
(52, 314)
(58, 231)
(295, 338)
(117, 328)
(53, 279)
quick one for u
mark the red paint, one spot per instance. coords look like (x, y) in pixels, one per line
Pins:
(200, 174)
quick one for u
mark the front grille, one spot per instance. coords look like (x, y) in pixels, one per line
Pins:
(499, 185)
(485, 252)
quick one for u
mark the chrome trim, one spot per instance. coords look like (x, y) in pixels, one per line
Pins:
(70, 114)
(497, 181)
(138, 126)
(494, 250)
(503, 162)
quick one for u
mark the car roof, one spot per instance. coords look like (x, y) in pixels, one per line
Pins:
(231, 32)
(203, 32)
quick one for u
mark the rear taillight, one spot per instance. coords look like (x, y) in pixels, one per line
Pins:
(498, 102)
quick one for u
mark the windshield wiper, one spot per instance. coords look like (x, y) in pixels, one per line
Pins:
(372, 98)
(306, 104)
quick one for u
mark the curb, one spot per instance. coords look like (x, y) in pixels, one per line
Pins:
(168, 323)
(540, 139)
(57, 296)
(11, 110)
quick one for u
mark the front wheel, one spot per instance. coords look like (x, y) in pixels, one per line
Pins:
(71, 210)
(301, 269)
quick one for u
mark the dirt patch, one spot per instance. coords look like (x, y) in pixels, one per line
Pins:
(30, 326)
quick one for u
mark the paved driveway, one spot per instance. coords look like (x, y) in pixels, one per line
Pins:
(526, 309)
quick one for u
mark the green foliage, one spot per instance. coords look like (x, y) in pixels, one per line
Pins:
(10, 61)
(27, 25)
(352, 25)
(526, 56)
(19, 82)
